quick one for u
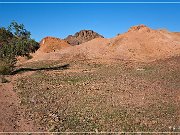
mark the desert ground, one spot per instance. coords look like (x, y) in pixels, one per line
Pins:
(129, 83)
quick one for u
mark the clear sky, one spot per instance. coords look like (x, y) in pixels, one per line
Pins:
(60, 20)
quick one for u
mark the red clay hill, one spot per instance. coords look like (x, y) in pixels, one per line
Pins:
(52, 44)
(144, 43)
(140, 43)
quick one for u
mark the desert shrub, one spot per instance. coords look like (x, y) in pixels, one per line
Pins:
(29, 57)
(15, 41)
(3, 79)
(6, 67)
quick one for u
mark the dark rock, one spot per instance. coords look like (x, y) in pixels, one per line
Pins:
(82, 36)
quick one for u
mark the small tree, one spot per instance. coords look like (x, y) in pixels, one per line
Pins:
(15, 41)
(19, 31)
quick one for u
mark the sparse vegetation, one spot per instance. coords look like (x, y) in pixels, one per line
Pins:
(102, 98)
(81, 93)
(3, 79)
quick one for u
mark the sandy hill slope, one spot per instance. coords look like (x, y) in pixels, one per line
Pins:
(95, 48)
(144, 44)
(140, 43)
(176, 35)
(82, 36)
(52, 44)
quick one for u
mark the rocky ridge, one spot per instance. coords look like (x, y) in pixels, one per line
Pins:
(82, 36)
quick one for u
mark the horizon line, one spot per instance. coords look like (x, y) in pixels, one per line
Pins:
(89, 2)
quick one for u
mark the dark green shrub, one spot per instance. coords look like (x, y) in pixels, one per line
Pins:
(5, 67)
(14, 41)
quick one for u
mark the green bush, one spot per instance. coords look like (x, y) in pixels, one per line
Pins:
(5, 67)
(14, 41)
(29, 57)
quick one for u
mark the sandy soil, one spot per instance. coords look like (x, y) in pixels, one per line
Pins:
(52, 44)
(11, 112)
(140, 43)
(126, 83)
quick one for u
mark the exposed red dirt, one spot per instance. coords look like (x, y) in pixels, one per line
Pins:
(11, 113)
(52, 44)
(151, 87)
(144, 44)
(140, 43)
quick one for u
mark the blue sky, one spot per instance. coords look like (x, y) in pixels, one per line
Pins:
(60, 20)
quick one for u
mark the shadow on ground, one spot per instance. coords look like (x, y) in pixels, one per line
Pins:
(63, 67)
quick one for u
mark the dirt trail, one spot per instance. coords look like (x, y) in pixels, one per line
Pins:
(11, 113)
